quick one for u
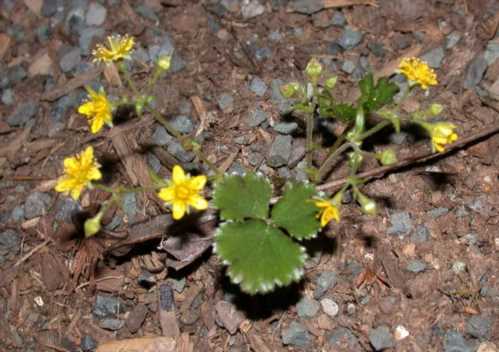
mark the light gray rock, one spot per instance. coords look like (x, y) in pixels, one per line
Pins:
(381, 338)
(256, 117)
(252, 9)
(492, 51)
(258, 86)
(416, 266)
(23, 113)
(37, 204)
(8, 97)
(226, 102)
(475, 71)
(87, 343)
(401, 224)
(280, 151)
(348, 66)
(70, 60)
(325, 281)
(422, 234)
(479, 326)
(96, 14)
(111, 324)
(10, 242)
(452, 39)
(330, 307)
(107, 306)
(350, 38)
(343, 339)
(455, 342)
(86, 37)
(307, 307)
(161, 137)
(285, 127)
(307, 7)
(182, 124)
(434, 57)
(283, 105)
(296, 335)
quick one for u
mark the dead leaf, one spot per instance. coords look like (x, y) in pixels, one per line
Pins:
(112, 75)
(167, 315)
(143, 344)
(4, 44)
(392, 66)
(228, 316)
(34, 5)
(54, 272)
(185, 249)
(41, 64)
(201, 112)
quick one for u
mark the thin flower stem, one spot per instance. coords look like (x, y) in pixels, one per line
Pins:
(103, 187)
(326, 166)
(373, 130)
(309, 137)
(128, 79)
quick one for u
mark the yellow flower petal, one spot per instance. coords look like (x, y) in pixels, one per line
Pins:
(328, 211)
(198, 182)
(198, 202)
(418, 72)
(178, 175)
(98, 110)
(167, 194)
(179, 210)
(119, 48)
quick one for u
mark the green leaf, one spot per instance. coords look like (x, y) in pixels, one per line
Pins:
(157, 180)
(296, 211)
(240, 197)
(259, 257)
(375, 96)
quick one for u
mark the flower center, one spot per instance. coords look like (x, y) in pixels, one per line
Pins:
(182, 192)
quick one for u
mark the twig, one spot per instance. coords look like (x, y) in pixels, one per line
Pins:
(98, 280)
(418, 158)
(33, 251)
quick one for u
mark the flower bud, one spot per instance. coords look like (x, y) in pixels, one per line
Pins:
(164, 62)
(313, 69)
(436, 109)
(367, 205)
(331, 82)
(289, 90)
(93, 225)
(387, 157)
(354, 160)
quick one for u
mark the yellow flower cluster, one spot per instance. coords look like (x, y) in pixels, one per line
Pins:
(98, 110)
(183, 192)
(327, 211)
(119, 48)
(79, 171)
(418, 72)
(441, 133)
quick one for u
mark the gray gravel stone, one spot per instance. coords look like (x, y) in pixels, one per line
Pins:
(107, 306)
(263, 53)
(438, 212)
(349, 38)
(492, 51)
(434, 57)
(416, 266)
(338, 19)
(111, 324)
(280, 151)
(129, 202)
(161, 137)
(96, 14)
(348, 66)
(70, 60)
(176, 149)
(285, 127)
(401, 224)
(22, 114)
(401, 138)
(8, 97)
(455, 342)
(37, 204)
(10, 242)
(147, 12)
(474, 72)
(307, 307)
(344, 340)
(330, 307)
(307, 7)
(296, 335)
(452, 39)
(422, 234)
(251, 9)
(64, 208)
(479, 326)
(334, 48)
(86, 37)
(257, 117)
(381, 338)
(182, 124)
(87, 343)
(275, 36)
(49, 8)
(325, 281)
(153, 162)
(377, 48)
(470, 239)
(226, 102)
(258, 86)
(17, 214)
(458, 266)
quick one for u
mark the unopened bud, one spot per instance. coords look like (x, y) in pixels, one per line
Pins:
(289, 90)
(436, 109)
(164, 62)
(313, 69)
(367, 205)
(331, 82)
(93, 225)
(387, 157)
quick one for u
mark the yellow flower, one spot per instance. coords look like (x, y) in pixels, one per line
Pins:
(98, 110)
(327, 211)
(79, 171)
(418, 72)
(441, 133)
(120, 47)
(183, 191)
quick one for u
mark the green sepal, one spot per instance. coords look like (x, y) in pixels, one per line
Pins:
(259, 257)
(239, 197)
(296, 212)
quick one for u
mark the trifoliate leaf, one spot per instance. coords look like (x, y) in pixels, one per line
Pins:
(240, 197)
(259, 257)
(375, 96)
(296, 211)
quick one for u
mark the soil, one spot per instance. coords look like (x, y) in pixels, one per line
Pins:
(426, 264)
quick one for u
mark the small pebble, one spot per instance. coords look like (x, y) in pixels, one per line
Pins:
(296, 335)
(434, 57)
(325, 281)
(285, 127)
(226, 102)
(96, 14)
(455, 342)
(87, 343)
(400, 332)
(349, 38)
(416, 266)
(401, 224)
(307, 307)
(381, 338)
(258, 86)
(280, 151)
(330, 307)
(458, 267)
(256, 117)
(111, 324)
